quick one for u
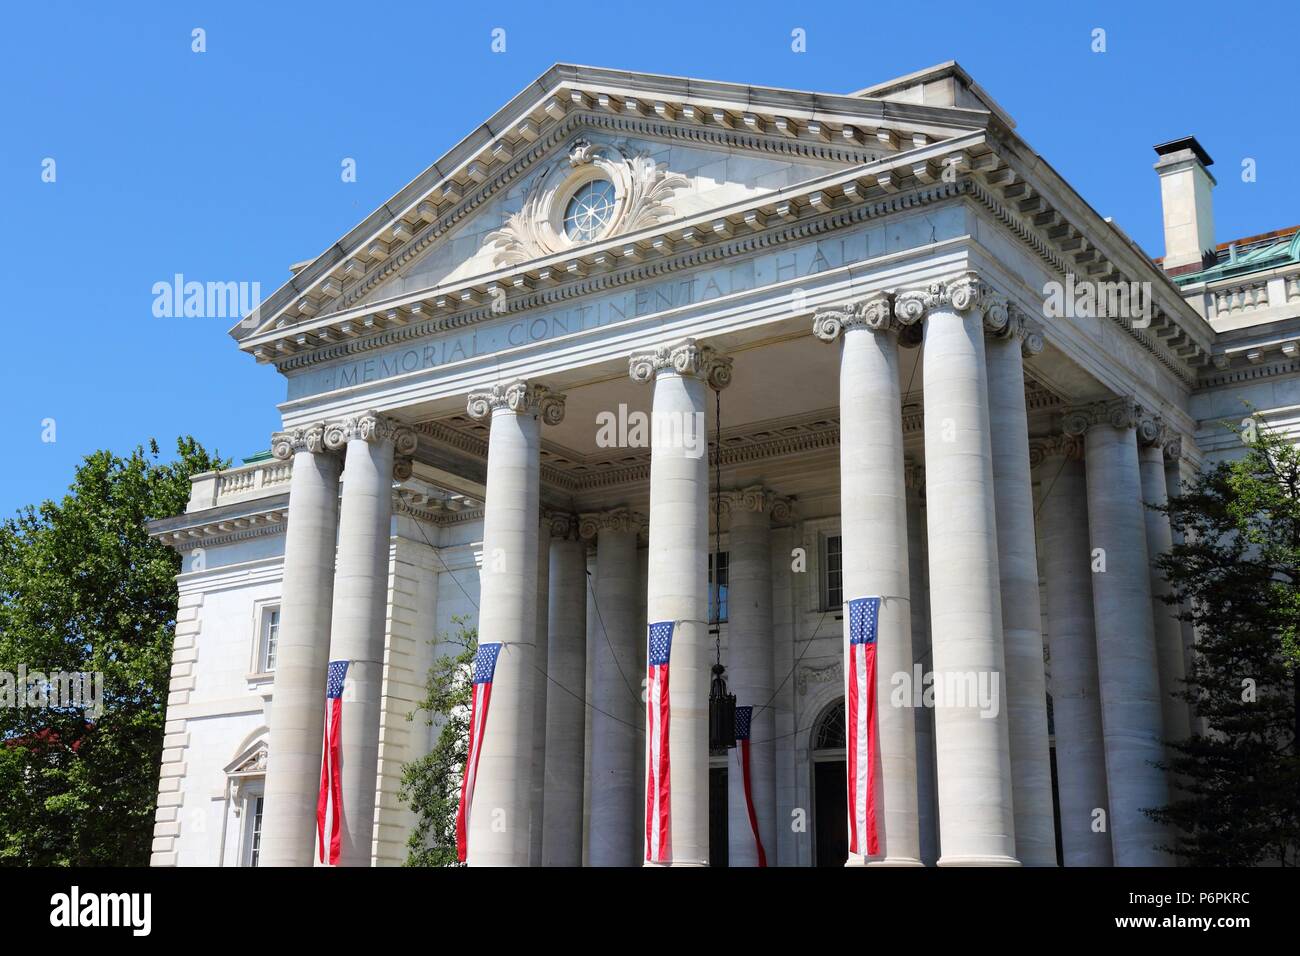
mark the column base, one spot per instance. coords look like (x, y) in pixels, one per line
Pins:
(978, 861)
(676, 863)
(857, 861)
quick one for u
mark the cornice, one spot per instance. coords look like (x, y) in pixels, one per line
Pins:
(680, 245)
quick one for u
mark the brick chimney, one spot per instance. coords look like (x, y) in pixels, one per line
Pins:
(1186, 197)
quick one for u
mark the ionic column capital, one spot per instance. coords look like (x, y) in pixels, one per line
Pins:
(591, 523)
(560, 524)
(874, 312)
(286, 444)
(966, 293)
(1154, 432)
(1007, 321)
(519, 397)
(1063, 445)
(687, 358)
(370, 427)
(755, 499)
(1116, 413)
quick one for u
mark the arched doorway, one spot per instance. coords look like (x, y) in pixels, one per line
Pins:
(830, 787)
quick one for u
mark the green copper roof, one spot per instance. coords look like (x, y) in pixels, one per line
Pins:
(1252, 257)
(260, 456)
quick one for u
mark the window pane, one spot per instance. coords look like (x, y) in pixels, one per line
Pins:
(720, 562)
(834, 571)
(270, 637)
(255, 842)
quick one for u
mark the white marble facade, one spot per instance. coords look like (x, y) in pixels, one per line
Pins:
(858, 281)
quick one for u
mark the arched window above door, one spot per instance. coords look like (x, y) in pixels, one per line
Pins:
(830, 732)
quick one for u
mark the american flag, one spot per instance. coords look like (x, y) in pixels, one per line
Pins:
(330, 794)
(864, 616)
(744, 719)
(658, 787)
(485, 665)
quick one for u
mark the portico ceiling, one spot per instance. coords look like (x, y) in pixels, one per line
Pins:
(783, 400)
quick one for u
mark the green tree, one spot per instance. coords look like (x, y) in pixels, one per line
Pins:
(431, 784)
(1236, 575)
(84, 589)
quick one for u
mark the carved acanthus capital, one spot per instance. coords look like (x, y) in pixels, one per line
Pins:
(519, 397)
(1115, 412)
(687, 358)
(874, 312)
(592, 523)
(1055, 446)
(1173, 446)
(286, 444)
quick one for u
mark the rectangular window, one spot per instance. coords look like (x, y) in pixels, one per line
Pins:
(255, 832)
(834, 576)
(719, 563)
(269, 638)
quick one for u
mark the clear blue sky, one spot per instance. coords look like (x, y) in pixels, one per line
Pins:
(225, 165)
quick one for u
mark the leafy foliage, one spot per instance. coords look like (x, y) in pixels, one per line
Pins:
(1237, 577)
(432, 784)
(84, 589)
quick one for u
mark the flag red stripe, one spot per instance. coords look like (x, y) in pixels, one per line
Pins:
(322, 795)
(873, 752)
(480, 697)
(851, 713)
(336, 778)
(749, 802)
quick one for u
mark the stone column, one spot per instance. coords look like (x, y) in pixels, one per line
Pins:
(1126, 655)
(1011, 338)
(499, 817)
(615, 688)
(750, 669)
(976, 817)
(927, 796)
(678, 588)
(1076, 704)
(370, 442)
(302, 652)
(1176, 476)
(874, 529)
(1153, 439)
(785, 603)
(540, 693)
(565, 710)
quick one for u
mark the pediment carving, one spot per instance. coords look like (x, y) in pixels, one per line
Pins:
(642, 190)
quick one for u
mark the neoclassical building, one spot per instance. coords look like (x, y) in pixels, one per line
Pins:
(638, 341)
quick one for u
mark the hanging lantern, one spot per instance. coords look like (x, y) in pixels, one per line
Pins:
(722, 713)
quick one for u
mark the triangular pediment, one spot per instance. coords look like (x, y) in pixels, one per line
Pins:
(595, 186)
(673, 150)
